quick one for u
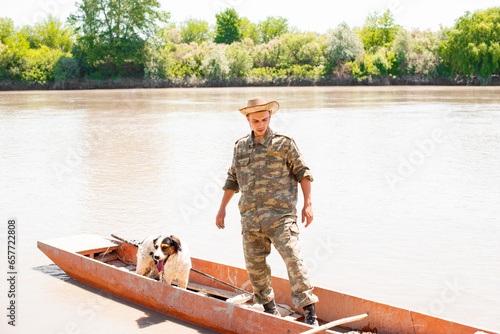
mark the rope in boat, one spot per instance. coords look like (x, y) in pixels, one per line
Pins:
(220, 281)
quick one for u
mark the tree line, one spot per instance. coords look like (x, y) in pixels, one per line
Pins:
(134, 38)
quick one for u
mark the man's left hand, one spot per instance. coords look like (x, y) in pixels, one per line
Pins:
(307, 214)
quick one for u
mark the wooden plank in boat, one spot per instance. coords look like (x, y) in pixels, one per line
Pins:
(212, 291)
(86, 244)
(106, 257)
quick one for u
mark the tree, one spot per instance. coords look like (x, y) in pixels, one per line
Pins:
(273, 27)
(50, 32)
(7, 29)
(343, 45)
(249, 30)
(194, 30)
(114, 32)
(228, 28)
(379, 30)
(473, 45)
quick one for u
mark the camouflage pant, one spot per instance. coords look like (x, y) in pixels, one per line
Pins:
(257, 246)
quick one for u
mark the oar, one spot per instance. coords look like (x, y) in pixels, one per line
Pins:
(220, 281)
(335, 323)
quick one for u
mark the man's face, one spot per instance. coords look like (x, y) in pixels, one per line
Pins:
(259, 122)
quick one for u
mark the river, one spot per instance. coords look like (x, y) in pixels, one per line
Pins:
(406, 194)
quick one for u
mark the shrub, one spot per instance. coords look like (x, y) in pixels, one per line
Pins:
(343, 45)
(415, 53)
(66, 68)
(38, 64)
(380, 63)
(216, 65)
(297, 49)
(239, 60)
(311, 54)
(269, 54)
(188, 58)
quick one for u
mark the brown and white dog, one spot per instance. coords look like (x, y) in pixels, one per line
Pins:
(166, 257)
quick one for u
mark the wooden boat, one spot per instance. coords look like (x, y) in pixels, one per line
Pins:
(109, 265)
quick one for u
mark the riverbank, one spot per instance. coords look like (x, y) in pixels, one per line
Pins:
(124, 83)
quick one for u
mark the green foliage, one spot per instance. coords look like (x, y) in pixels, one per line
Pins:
(300, 49)
(401, 48)
(20, 62)
(472, 47)
(216, 65)
(158, 55)
(188, 59)
(343, 45)
(7, 29)
(66, 68)
(228, 28)
(298, 71)
(272, 27)
(239, 60)
(16, 47)
(51, 32)
(125, 38)
(249, 30)
(194, 30)
(113, 33)
(39, 64)
(379, 30)
(269, 54)
(381, 63)
(415, 53)
(264, 31)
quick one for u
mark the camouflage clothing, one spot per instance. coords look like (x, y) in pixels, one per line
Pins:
(257, 246)
(267, 173)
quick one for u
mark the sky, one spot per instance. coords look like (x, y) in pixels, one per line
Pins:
(308, 15)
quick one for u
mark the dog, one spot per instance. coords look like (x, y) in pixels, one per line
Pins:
(164, 258)
(172, 260)
(146, 265)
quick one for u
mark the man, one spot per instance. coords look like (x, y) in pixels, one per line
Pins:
(267, 168)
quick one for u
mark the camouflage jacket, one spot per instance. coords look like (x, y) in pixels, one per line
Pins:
(267, 174)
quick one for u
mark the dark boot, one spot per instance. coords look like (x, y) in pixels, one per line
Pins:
(270, 308)
(310, 315)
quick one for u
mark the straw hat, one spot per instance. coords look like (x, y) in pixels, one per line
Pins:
(259, 104)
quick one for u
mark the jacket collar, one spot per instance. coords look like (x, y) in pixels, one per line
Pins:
(266, 141)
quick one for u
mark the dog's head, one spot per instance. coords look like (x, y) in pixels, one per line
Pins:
(164, 247)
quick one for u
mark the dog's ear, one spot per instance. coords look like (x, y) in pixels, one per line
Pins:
(176, 242)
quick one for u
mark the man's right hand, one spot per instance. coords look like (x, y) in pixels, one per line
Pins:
(219, 219)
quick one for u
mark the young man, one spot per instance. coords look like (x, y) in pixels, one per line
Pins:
(267, 168)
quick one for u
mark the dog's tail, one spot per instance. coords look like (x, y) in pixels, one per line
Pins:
(134, 243)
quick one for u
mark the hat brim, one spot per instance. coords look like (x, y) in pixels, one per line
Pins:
(272, 106)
